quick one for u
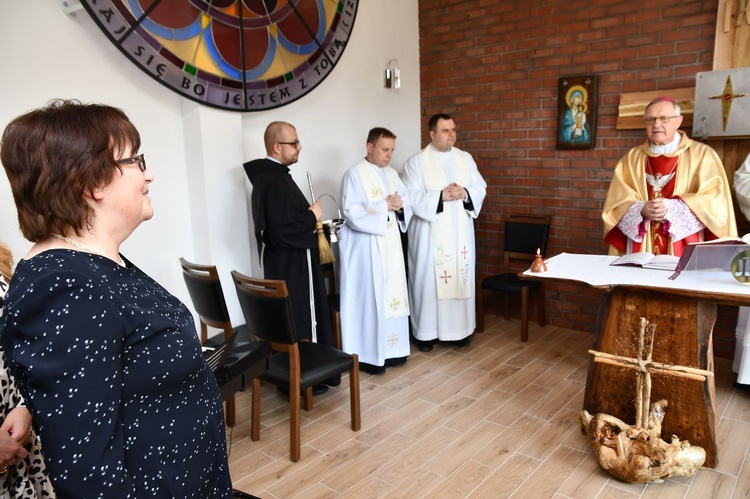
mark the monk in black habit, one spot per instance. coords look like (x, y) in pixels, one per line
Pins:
(285, 222)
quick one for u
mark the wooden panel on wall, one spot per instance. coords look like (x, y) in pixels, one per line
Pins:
(632, 106)
(724, 41)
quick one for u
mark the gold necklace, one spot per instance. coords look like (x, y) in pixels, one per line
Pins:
(87, 249)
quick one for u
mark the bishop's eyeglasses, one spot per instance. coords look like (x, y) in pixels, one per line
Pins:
(662, 119)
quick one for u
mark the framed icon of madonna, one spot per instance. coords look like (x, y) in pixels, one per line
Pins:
(576, 112)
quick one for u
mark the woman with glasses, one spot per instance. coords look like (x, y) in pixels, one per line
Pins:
(108, 361)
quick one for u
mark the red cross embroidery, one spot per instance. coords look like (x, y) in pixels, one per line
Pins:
(445, 276)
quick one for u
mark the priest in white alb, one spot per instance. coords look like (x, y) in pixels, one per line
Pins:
(447, 193)
(374, 293)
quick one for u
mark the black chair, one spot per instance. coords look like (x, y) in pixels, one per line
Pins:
(207, 296)
(524, 235)
(296, 365)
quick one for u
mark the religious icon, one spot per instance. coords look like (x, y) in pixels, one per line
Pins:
(576, 112)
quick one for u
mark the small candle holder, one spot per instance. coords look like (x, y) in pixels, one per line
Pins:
(538, 264)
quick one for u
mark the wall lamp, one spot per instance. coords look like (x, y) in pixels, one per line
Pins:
(392, 75)
(70, 7)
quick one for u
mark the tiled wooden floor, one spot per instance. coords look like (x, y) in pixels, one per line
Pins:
(493, 420)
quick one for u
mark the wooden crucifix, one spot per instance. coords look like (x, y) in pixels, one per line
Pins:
(638, 453)
(645, 367)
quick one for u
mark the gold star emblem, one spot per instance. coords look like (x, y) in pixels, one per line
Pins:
(726, 101)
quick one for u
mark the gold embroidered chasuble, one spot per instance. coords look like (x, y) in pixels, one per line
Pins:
(699, 181)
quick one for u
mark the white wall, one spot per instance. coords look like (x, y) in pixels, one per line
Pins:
(196, 152)
(332, 121)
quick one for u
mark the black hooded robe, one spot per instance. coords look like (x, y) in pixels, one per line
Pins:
(287, 227)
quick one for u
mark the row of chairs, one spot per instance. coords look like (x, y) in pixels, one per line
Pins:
(265, 348)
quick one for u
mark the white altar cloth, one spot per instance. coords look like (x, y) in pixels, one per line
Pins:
(596, 271)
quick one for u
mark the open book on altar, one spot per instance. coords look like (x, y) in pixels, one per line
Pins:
(716, 254)
(648, 261)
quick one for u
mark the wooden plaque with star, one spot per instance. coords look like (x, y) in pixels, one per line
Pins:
(722, 104)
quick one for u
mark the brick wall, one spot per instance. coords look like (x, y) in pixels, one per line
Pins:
(494, 66)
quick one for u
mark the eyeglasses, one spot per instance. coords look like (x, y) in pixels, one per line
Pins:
(139, 160)
(662, 119)
(296, 143)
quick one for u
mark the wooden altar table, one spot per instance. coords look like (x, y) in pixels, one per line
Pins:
(684, 311)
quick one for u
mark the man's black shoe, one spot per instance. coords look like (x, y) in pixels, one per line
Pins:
(395, 361)
(425, 346)
(462, 343)
(320, 389)
(317, 390)
(740, 386)
(371, 369)
(333, 380)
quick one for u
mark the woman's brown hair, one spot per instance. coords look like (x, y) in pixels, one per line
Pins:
(56, 154)
(6, 262)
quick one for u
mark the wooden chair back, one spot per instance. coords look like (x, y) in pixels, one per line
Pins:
(267, 309)
(207, 296)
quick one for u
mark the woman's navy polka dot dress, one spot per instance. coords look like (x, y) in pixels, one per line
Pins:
(112, 370)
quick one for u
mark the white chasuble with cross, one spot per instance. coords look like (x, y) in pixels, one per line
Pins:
(452, 249)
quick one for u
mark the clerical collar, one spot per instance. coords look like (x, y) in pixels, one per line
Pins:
(274, 160)
(667, 148)
(438, 151)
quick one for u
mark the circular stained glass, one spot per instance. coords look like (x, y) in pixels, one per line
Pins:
(239, 55)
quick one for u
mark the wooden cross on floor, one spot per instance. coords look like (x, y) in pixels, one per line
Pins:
(645, 367)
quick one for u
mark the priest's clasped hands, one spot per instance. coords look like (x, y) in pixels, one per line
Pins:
(394, 202)
(454, 192)
(654, 209)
